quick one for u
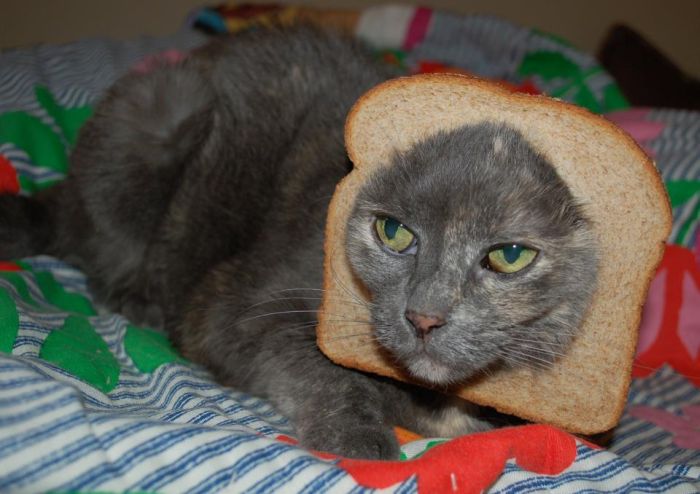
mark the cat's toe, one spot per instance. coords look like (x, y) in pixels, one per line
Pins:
(362, 442)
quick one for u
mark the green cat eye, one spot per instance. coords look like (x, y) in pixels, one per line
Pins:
(510, 258)
(394, 235)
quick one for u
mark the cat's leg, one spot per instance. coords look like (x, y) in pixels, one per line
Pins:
(353, 414)
(356, 414)
(263, 342)
(342, 411)
(253, 323)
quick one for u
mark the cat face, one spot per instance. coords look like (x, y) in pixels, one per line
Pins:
(475, 254)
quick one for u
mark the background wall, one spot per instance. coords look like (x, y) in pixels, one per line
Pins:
(672, 25)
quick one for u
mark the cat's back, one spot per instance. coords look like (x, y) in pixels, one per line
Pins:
(292, 68)
(208, 157)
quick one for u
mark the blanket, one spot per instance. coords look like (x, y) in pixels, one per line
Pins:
(89, 401)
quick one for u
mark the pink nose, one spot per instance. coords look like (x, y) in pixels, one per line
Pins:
(424, 323)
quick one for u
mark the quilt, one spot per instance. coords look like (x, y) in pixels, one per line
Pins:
(90, 402)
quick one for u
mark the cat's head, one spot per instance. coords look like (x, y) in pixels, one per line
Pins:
(475, 254)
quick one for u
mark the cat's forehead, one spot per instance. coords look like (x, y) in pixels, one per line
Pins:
(483, 182)
(464, 171)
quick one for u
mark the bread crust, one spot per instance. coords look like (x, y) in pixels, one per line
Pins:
(573, 394)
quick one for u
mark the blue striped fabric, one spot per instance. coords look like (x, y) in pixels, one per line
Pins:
(480, 47)
(174, 429)
(677, 152)
(177, 431)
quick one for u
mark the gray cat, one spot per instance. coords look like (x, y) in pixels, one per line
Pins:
(196, 202)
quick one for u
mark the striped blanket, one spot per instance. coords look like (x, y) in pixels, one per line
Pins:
(90, 402)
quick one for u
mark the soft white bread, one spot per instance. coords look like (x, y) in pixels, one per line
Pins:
(620, 190)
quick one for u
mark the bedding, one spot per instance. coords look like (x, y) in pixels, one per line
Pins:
(90, 402)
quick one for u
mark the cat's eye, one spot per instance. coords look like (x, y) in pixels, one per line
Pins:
(510, 258)
(394, 235)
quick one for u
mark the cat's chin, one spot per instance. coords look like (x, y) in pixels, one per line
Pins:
(426, 369)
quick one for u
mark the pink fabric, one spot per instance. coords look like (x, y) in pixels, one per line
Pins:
(653, 313)
(168, 57)
(685, 428)
(418, 27)
(635, 123)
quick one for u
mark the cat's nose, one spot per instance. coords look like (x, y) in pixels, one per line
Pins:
(424, 323)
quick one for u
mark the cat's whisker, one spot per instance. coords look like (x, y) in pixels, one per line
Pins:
(524, 362)
(322, 198)
(274, 292)
(288, 312)
(312, 323)
(544, 351)
(315, 323)
(272, 300)
(343, 322)
(365, 337)
(305, 347)
(350, 302)
(541, 362)
(526, 359)
(528, 340)
(298, 326)
(349, 292)
(531, 332)
(487, 371)
(515, 357)
(290, 299)
(276, 313)
(340, 320)
(351, 335)
(562, 327)
(539, 350)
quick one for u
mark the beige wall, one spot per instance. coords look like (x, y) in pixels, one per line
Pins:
(672, 25)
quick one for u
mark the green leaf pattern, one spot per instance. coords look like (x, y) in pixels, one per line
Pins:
(9, 322)
(76, 346)
(43, 145)
(685, 200)
(78, 349)
(571, 81)
(149, 349)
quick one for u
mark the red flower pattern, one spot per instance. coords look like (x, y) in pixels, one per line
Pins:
(670, 330)
(8, 177)
(468, 464)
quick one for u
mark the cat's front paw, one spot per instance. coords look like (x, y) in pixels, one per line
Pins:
(362, 442)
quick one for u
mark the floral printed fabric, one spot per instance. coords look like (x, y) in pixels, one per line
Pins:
(90, 402)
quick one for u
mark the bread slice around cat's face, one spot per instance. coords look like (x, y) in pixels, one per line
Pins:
(619, 193)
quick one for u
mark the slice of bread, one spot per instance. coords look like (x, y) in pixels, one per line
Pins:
(620, 190)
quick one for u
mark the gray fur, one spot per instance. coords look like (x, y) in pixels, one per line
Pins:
(461, 193)
(196, 201)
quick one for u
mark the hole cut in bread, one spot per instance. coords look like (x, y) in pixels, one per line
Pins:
(614, 180)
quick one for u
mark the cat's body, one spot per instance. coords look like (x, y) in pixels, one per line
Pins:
(196, 200)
